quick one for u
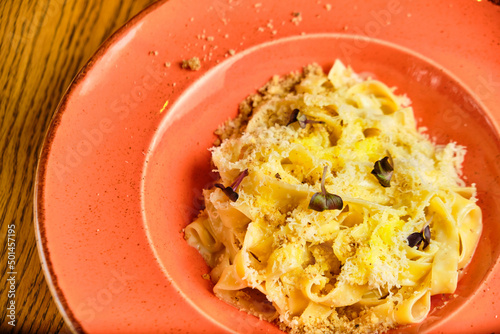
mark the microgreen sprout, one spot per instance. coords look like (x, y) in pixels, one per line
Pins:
(231, 190)
(297, 116)
(323, 200)
(383, 171)
(416, 238)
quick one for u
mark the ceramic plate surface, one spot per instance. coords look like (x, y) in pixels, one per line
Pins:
(126, 158)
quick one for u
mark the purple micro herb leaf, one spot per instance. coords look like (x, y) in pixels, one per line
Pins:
(302, 119)
(383, 170)
(297, 116)
(426, 233)
(323, 200)
(415, 239)
(293, 116)
(230, 192)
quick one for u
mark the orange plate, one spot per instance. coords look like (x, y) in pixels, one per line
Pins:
(126, 156)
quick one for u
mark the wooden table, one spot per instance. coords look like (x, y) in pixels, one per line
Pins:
(43, 46)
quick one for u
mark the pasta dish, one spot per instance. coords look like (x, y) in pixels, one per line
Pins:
(334, 212)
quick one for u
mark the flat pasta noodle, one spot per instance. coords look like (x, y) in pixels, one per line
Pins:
(445, 264)
(468, 217)
(341, 295)
(415, 307)
(350, 268)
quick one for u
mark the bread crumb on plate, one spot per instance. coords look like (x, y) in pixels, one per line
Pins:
(193, 64)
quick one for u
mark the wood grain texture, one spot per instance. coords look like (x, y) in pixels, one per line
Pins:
(43, 45)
